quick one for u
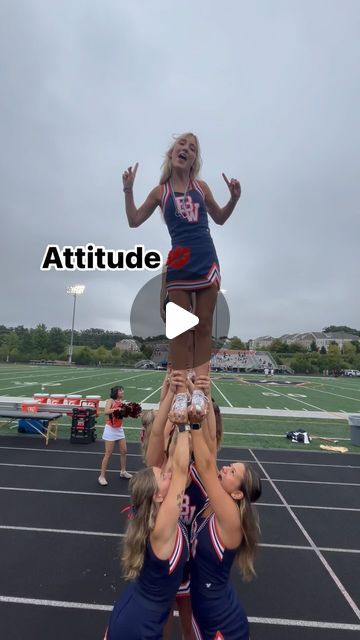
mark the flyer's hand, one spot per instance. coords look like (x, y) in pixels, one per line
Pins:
(234, 188)
(128, 177)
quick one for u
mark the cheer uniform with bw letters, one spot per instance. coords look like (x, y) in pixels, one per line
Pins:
(194, 500)
(188, 226)
(217, 612)
(143, 608)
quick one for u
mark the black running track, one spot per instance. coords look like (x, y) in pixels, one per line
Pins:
(59, 534)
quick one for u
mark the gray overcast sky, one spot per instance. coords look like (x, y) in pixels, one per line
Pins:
(271, 89)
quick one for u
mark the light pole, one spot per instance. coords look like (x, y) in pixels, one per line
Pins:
(216, 315)
(75, 290)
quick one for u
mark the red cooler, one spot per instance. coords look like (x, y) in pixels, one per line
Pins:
(72, 399)
(57, 398)
(29, 407)
(41, 397)
(92, 401)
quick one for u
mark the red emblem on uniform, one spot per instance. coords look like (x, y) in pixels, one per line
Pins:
(178, 257)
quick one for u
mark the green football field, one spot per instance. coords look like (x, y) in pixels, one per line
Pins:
(252, 392)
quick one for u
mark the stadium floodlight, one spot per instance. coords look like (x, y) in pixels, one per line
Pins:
(74, 290)
(223, 291)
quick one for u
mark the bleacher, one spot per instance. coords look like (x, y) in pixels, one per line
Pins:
(244, 361)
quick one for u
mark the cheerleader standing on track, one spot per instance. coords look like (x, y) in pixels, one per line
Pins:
(113, 432)
(155, 548)
(192, 265)
(227, 528)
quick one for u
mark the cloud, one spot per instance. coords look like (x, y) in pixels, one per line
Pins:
(271, 91)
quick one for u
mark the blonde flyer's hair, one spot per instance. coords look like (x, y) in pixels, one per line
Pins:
(166, 165)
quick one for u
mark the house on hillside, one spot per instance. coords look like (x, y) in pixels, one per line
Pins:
(306, 339)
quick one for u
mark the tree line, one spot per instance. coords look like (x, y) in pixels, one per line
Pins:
(91, 346)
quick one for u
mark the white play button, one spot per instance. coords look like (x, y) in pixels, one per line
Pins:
(178, 320)
(146, 322)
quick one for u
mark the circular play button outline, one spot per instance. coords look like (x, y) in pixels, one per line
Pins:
(146, 322)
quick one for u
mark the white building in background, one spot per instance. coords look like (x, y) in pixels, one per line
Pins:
(341, 338)
(321, 339)
(261, 343)
(306, 339)
(128, 344)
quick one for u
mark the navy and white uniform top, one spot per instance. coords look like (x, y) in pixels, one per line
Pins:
(142, 609)
(210, 573)
(217, 612)
(159, 579)
(188, 226)
(194, 498)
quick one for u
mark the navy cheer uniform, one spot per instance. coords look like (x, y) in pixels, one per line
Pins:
(188, 226)
(143, 608)
(217, 612)
(194, 500)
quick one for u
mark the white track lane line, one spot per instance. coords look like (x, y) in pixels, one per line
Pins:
(74, 532)
(341, 484)
(332, 574)
(103, 607)
(109, 534)
(51, 467)
(126, 495)
(139, 455)
(306, 506)
(70, 493)
(313, 464)
(95, 470)
(305, 623)
(78, 452)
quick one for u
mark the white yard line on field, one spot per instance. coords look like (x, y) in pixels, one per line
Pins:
(151, 394)
(225, 398)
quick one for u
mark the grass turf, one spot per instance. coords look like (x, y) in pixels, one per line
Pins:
(237, 390)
